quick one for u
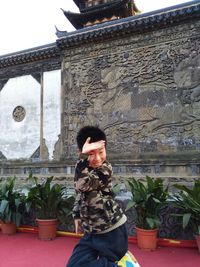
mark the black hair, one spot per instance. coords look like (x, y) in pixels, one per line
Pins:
(94, 132)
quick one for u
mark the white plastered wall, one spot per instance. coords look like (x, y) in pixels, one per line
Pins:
(19, 140)
(51, 124)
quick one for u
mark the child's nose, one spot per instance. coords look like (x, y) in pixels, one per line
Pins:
(97, 157)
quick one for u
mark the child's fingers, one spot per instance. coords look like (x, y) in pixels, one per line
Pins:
(102, 143)
(87, 140)
(88, 147)
(99, 144)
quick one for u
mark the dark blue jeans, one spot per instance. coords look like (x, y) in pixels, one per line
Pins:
(100, 250)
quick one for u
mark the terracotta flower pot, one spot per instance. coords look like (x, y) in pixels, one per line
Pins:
(47, 229)
(147, 239)
(8, 228)
(198, 241)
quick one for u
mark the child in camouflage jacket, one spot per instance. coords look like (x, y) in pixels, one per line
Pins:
(105, 239)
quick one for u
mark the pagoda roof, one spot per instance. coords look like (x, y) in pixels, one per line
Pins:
(79, 3)
(98, 12)
(133, 24)
(82, 7)
(112, 3)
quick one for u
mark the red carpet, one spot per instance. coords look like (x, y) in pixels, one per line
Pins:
(26, 250)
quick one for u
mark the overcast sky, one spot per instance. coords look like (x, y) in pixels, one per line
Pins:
(25, 24)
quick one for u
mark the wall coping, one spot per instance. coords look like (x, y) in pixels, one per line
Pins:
(134, 24)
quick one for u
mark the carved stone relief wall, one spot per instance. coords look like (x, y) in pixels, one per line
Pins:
(143, 90)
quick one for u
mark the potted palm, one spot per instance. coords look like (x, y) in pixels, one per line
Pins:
(49, 202)
(11, 206)
(187, 200)
(147, 197)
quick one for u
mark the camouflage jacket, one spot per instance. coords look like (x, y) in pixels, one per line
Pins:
(94, 204)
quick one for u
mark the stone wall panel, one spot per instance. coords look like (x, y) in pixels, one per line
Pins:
(143, 90)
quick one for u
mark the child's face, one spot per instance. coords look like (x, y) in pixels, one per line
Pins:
(97, 157)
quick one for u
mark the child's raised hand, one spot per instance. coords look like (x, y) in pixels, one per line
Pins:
(88, 147)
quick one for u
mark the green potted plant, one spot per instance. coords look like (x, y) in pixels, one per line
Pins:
(147, 197)
(11, 206)
(187, 200)
(50, 203)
